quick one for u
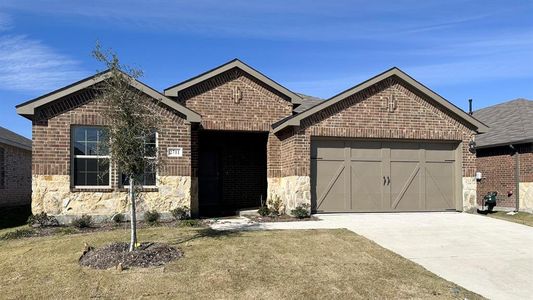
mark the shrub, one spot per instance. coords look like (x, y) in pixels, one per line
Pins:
(17, 234)
(263, 211)
(275, 204)
(118, 218)
(152, 217)
(85, 221)
(301, 211)
(180, 213)
(190, 223)
(42, 220)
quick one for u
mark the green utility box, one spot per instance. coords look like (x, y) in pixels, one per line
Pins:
(490, 200)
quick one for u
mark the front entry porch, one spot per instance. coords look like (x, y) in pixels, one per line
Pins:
(232, 171)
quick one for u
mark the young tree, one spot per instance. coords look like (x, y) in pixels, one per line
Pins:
(131, 122)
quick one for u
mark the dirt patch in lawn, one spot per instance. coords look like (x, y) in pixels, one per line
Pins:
(117, 255)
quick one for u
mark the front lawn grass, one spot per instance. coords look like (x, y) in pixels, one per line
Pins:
(329, 264)
(521, 217)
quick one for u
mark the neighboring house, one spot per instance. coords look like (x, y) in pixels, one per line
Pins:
(15, 169)
(232, 138)
(505, 154)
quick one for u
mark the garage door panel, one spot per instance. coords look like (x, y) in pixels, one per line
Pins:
(439, 152)
(330, 179)
(365, 150)
(328, 150)
(404, 151)
(439, 186)
(422, 176)
(405, 186)
(366, 186)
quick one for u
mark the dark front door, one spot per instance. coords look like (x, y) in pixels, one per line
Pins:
(232, 171)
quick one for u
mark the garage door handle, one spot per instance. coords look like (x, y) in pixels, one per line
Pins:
(388, 178)
(384, 180)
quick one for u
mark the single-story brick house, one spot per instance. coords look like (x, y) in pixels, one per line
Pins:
(232, 137)
(15, 169)
(505, 154)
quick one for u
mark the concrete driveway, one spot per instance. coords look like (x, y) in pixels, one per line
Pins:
(491, 257)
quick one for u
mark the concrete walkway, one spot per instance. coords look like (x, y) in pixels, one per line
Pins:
(491, 257)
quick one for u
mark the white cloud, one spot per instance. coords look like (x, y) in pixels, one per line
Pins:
(29, 65)
(273, 20)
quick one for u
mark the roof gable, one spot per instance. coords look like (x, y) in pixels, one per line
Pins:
(296, 119)
(27, 109)
(510, 122)
(175, 89)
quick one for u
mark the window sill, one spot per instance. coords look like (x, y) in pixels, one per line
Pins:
(92, 189)
(110, 190)
(147, 189)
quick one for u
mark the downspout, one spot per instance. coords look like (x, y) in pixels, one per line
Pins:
(516, 177)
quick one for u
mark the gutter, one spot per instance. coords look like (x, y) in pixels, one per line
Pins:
(519, 142)
(14, 144)
(517, 176)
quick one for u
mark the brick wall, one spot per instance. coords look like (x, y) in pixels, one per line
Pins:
(526, 164)
(366, 115)
(236, 101)
(52, 142)
(16, 188)
(497, 166)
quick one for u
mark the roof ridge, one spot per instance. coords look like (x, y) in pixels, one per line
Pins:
(503, 103)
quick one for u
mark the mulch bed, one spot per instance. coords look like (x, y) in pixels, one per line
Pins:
(146, 255)
(282, 218)
(41, 231)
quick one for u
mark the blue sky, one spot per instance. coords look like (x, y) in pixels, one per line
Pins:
(460, 49)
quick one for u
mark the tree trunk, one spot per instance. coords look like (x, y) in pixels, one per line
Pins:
(133, 240)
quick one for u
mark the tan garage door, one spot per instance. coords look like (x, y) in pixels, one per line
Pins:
(382, 176)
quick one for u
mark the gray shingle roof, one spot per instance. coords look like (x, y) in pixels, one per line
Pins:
(509, 122)
(10, 138)
(307, 102)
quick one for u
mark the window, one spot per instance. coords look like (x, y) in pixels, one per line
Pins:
(148, 178)
(91, 166)
(2, 169)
